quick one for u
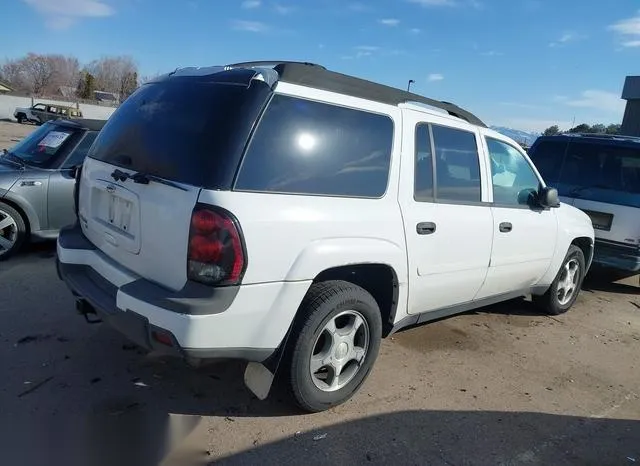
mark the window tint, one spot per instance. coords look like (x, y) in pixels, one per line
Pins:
(80, 152)
(188, 130)
(512, 177)
(548, 156)
(602, 167)
(423, 188)
(305, 147)
(457, 165)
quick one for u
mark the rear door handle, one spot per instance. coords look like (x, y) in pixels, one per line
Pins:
(505, 227)
(426, 228)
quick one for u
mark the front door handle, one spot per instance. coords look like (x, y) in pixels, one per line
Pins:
(505, 227)
(426, 228)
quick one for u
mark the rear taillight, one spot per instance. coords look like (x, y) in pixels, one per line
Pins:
(215, 254)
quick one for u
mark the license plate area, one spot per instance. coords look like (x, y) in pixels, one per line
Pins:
(119, 213)
(600, 220)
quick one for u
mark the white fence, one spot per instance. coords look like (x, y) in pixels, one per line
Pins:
(8, 104)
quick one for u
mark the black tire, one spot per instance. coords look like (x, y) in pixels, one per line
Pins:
(550, 302)
(323, 302)
(21, 118)
(21, 230)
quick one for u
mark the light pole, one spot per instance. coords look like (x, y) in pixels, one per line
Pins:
(411, 81)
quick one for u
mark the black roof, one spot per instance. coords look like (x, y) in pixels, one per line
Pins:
(317, 76)
(596, 138)
(82, 123)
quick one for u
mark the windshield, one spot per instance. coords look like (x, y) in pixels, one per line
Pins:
(42, 145)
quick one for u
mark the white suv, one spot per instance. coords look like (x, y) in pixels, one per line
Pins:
(290, 216)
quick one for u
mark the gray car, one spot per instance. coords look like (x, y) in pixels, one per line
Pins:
(37, 178)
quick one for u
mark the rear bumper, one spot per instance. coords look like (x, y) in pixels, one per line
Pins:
(616, 256)
(246, 322)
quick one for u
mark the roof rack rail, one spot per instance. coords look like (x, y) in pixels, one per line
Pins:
(604, 136)
(314, 75)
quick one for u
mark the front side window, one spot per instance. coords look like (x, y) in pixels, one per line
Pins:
(40, 107)
(423, 187)
(307, 147)
(457, 165)
(512, 177)
(80, 152)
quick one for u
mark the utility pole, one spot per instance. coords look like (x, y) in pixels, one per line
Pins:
(411, 81)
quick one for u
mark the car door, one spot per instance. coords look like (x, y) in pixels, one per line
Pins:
(447, 226)
(60, 204)
(39, 111)
(524, 234)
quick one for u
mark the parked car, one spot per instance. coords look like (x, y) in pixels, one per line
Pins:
(37, 179)
(41, 113)
(599, 174)
(277, 225)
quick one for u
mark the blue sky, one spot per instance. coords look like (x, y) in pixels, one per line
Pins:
(525, 64)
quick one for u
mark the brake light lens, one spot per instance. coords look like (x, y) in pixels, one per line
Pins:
(215, 254)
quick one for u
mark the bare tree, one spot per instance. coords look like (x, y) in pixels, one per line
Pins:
(114, 74)
(12, 72)
(66, 72)
(39, 71)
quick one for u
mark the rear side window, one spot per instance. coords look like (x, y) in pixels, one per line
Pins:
(80, 152)
(457, 165)
(548, 157)
(423, 188)
(307, 147)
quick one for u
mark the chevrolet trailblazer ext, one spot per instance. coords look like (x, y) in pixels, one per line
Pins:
(291, 217)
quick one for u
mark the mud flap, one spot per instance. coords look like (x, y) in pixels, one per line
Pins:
(259, 376)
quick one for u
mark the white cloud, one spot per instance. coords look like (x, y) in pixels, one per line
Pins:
(415, 30)
(390, 21)
(492, 53)
(283, 9)
(433, 77)
(567, 37)
(367, 48)
(433, 2)
(251, 4)
(62, 14)
(628, 30)
(357, 6)
(599, 100)
(249, 26)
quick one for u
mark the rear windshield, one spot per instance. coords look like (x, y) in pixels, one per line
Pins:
(185, 129)
(44, 144)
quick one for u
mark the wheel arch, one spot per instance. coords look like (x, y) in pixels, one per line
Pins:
(23, 213)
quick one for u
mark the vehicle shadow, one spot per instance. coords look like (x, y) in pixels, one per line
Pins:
(611, 282)
(457, 437)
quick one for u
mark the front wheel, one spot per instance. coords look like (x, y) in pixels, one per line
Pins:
(21, 118)
(334, 344)
(564, 290)
(13, 231)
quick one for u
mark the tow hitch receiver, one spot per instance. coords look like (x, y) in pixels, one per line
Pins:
(87, 310)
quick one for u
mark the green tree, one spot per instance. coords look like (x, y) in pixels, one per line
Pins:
(551, 131)
(581, 128)
(86, 86)
(612, 129)
(599, 128)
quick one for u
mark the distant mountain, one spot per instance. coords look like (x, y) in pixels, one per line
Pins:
(517, 135)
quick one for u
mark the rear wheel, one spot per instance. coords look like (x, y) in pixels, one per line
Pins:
(13, 231)
(334, 344)
(564, 290)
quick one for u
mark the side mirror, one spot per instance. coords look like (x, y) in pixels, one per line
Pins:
(548, 197)
(73, 171)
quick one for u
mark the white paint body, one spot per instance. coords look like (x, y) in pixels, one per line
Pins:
(290, 239)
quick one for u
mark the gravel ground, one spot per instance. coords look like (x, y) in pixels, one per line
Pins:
(502, 385)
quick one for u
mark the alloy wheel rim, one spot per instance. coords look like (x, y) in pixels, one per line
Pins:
(8, 232)
(339, 351)
(568, 284)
